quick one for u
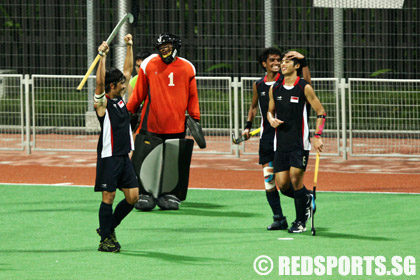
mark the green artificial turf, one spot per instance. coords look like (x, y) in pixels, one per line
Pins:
(48, 232)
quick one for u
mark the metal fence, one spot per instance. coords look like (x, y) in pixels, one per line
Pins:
(379, 117)
(215, 99)
(220, 37)
(12, 119)
(384, 117)
(61, 116)
(63, 119)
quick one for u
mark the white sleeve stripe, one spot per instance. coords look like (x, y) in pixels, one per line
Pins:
(144, 63)
(131, 137)
(106, 137)
(192, 65)
(305, 134)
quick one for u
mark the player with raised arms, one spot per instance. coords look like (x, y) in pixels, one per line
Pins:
(114, 168)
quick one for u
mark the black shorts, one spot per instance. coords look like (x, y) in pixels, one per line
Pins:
(115, 172)
(266, 150)
(284, 160)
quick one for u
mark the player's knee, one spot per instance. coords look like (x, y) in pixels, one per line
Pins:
(295, 183)
(269, 181)
(108, 197)
(285, 191)
(132, 199)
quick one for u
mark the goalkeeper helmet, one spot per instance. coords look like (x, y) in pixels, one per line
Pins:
(168, 38)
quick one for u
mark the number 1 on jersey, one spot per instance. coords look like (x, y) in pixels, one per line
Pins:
(171, 79)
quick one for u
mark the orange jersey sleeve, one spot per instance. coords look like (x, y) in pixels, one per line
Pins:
(169, 90)
(193, 107)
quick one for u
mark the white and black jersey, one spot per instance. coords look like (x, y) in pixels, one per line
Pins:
(116, 137)
(292, 108)
(266, 147)
(263, 88)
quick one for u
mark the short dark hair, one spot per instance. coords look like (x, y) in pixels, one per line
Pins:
(295, 61)
(263, 56)
(143, 55)
(113, 76)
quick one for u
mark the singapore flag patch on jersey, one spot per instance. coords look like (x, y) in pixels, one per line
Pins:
(294, 99)
(121, 104)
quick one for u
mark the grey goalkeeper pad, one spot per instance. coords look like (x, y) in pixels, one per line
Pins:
(176, 170)
(196, 132)
(151, 170)
(163, 167)
(144, 146)
(170, 174)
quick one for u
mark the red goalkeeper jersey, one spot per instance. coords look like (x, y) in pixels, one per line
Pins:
(168, 91)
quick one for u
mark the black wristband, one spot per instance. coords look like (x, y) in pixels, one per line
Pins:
(248, 125)
(303, 62)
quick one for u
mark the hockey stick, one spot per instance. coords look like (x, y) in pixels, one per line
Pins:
(243, 137)
(114, 32)
(314, 190)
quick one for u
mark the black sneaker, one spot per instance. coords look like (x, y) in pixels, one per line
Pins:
(310, 206)
(112, 236)
(297, 227)
(146, 202)
(168, 202)
(279, 223)
(108, 246)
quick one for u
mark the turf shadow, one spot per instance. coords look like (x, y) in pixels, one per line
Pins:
(190, 230)
(206, 213)
(171, 257)
(324, 232)
(49, 210)
(201, 205)
(3, 267)
(46, 251)
(59, 202)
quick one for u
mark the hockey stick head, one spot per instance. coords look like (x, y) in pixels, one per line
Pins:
(243, 138)
(127, 17)
(233, 139)
(239, 140)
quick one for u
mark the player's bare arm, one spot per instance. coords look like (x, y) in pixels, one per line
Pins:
(305, 69)
(274, 122)
(294, 54)
(128, 63)
(99, 98)
(307, 74)
(252, 110)
(321, 114)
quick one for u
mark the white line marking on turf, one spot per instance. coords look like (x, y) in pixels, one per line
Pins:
(260, 190)
(212, 189)
(285, 238)
(44, 185)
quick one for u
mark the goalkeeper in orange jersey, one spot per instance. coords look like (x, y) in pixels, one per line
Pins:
(166, 84)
